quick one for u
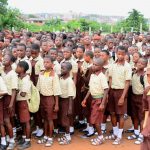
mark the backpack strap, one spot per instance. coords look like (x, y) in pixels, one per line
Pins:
(142, 80)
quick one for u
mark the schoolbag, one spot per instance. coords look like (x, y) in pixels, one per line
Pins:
(34, 102)
(141, 79)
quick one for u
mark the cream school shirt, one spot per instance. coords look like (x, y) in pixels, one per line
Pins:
(24, 85)
(3, 88)
(120, 74)
(49, 85)
(68, 88)
(11, 80)
(97, 84)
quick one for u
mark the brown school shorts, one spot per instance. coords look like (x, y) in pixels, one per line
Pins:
(113, 99)
(64, 119)
(137, 107)
(96, 116)
(23, 111)
(7, 100)
(1, 112)
(47, 105)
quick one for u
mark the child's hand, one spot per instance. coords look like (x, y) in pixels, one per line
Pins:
(70, 112)
(10, 108)
(101, 107)
(121, 101)
(83, 103)
(56, 108)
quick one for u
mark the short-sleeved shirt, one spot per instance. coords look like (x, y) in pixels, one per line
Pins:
(74, 66)
(14, 66)
(137, 87)
(119, 74)
(68, 88)
(57, 67)
(97, 84)
(39, 65)
(26, 59)
(85, 67)
(24, 85)
(3, 88)
(11, 81)
(49, 85)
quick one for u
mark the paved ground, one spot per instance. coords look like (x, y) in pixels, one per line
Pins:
(84, 144)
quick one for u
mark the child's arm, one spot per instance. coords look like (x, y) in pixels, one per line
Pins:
(70, 110)
(75, 78)
(145, 119)
(56, 108)
(122, 98)
(103, 104)
(13, 96)
(85, 99)
(110, 82)
(2, 94)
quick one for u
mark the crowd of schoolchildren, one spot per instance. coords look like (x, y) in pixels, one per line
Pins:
(82, 80)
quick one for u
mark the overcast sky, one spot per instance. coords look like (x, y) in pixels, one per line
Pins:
(104, 7)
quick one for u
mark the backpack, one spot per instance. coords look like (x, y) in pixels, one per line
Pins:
(141, 79)
(34, 102)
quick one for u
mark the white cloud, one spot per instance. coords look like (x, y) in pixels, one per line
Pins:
(104, 7)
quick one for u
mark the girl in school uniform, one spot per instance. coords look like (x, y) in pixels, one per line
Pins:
(23, 95)
(3, 92)
(49, 87)
(66, 101)
(11, 81)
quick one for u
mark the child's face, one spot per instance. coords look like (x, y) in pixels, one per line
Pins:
(87, 58)
(34, 53)
(21, 52)
(79, 53)
(104, 56)
(121, 55)
(147, 52)
(141, 64)
(53, 54)
(6, 60)
(69, 44)
(60, 57)
(47, 64)
(14, 52)
(127, 59)
(136, 57)
(44, 47)
(64, 69)
(96, 66)
(67, 54)
(58, 41)
(19, 69)
(97, 52)
(28, 52)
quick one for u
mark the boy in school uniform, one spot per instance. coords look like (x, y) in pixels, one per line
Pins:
(37, 66)
(49, 87)
(57, 67)
(98, 89)
(11, 81)
(66, 101)
(79, 97)
(3, 92)
(23, 95)
(67, 51)
(119, 80)
(21, 51)
(137, 99)
(86, 71)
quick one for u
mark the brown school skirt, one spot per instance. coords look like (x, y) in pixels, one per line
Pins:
(23, 111)
(7, 100)
(96, 116)
(113, 99)
(137, 107)
(1, 112)
(63, 112)
(47, 105)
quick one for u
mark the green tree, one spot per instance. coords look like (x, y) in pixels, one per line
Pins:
(135, 19)
(3, 5)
